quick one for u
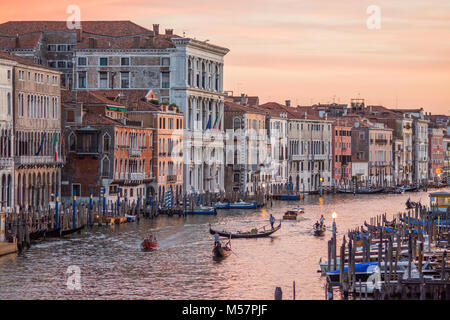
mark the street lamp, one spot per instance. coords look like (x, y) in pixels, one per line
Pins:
(334, 216)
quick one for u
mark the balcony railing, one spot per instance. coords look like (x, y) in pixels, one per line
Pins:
(381, 141)
(6, 162)
(130, 176)
(135, 152)
(30, 160)
(172, 178)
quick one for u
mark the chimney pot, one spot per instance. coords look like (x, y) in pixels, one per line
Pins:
(156, 29)
(288, 103)
(169, 32)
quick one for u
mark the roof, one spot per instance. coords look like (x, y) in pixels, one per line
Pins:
(107, 35)
(88, 97)
(25, 61)
(102, 27)
(275, 108)
(236, 107)
(90, 118)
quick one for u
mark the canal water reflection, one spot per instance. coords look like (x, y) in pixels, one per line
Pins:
(113, 267)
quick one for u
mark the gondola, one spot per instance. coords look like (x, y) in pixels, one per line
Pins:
(57, 233)
(36, 235)
(70, 231)
(319, 230)
(250, 234)
(361, 191)
(221, 252)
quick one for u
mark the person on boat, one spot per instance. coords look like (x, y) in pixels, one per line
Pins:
(272, 220)
(317, 225)
(216, 239)
(322, 219)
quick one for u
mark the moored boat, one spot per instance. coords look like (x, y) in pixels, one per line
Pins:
(130, 218)
(222, 205)
(243, 205)
(361, 191)
(202, 210)
(290, 197)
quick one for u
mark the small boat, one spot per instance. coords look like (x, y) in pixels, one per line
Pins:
(222, 205)
(319, 230)
(203, 210)
(290, 197)
(254, 233)
(70, 231)
(292, 214)
(36, 235)
(57, 233)
(149, 243)
(243, 205)
(221, 252)
(130, 218)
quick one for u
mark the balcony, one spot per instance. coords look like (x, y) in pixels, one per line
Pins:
(135, 152)
(297, 157)
(6, 162)
(381, 141)
(171, 178)
(33, 160)
(130, 176)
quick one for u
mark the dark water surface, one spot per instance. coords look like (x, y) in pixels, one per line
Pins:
(113, 267)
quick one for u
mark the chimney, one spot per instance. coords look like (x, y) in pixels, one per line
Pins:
(91, 42)
(288, 103)
(169, 32)
(243, 101)
(156, 29)
(305, 115)
(79, 34)
(17, 40)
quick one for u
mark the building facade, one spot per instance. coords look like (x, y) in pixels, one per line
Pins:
(436, 153)
(6, 135)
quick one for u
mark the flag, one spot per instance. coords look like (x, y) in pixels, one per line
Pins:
(62, 147)
(208, 126)
(55, 145)
(215, 122)
(40, 146)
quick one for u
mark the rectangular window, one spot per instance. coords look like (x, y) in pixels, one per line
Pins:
(165, 80)
(165, 62)
(62, 47)
(61, 64)
(82, 80)
(70, 116)
(125, 61)
(51, 47)
(103, 80)
(82, 61)
(103, 61)
(125, 80)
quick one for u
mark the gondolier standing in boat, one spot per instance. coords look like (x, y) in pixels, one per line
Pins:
(216, 239)
(272, 220)
(322, 219)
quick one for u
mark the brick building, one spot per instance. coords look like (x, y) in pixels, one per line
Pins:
(104, 150)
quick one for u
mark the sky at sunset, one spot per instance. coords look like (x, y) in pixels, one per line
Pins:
(304, 51)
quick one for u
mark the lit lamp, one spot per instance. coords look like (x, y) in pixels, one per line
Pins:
(334, 216)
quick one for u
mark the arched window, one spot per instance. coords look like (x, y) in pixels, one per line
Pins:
(106, 142)
(236, 123)
(105, 167)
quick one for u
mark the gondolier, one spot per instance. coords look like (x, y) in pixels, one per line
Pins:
(216, 239)
(272, 220)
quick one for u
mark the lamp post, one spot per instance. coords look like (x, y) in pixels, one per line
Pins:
(334, 216)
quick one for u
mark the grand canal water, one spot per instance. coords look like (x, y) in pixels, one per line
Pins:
(113, 267)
